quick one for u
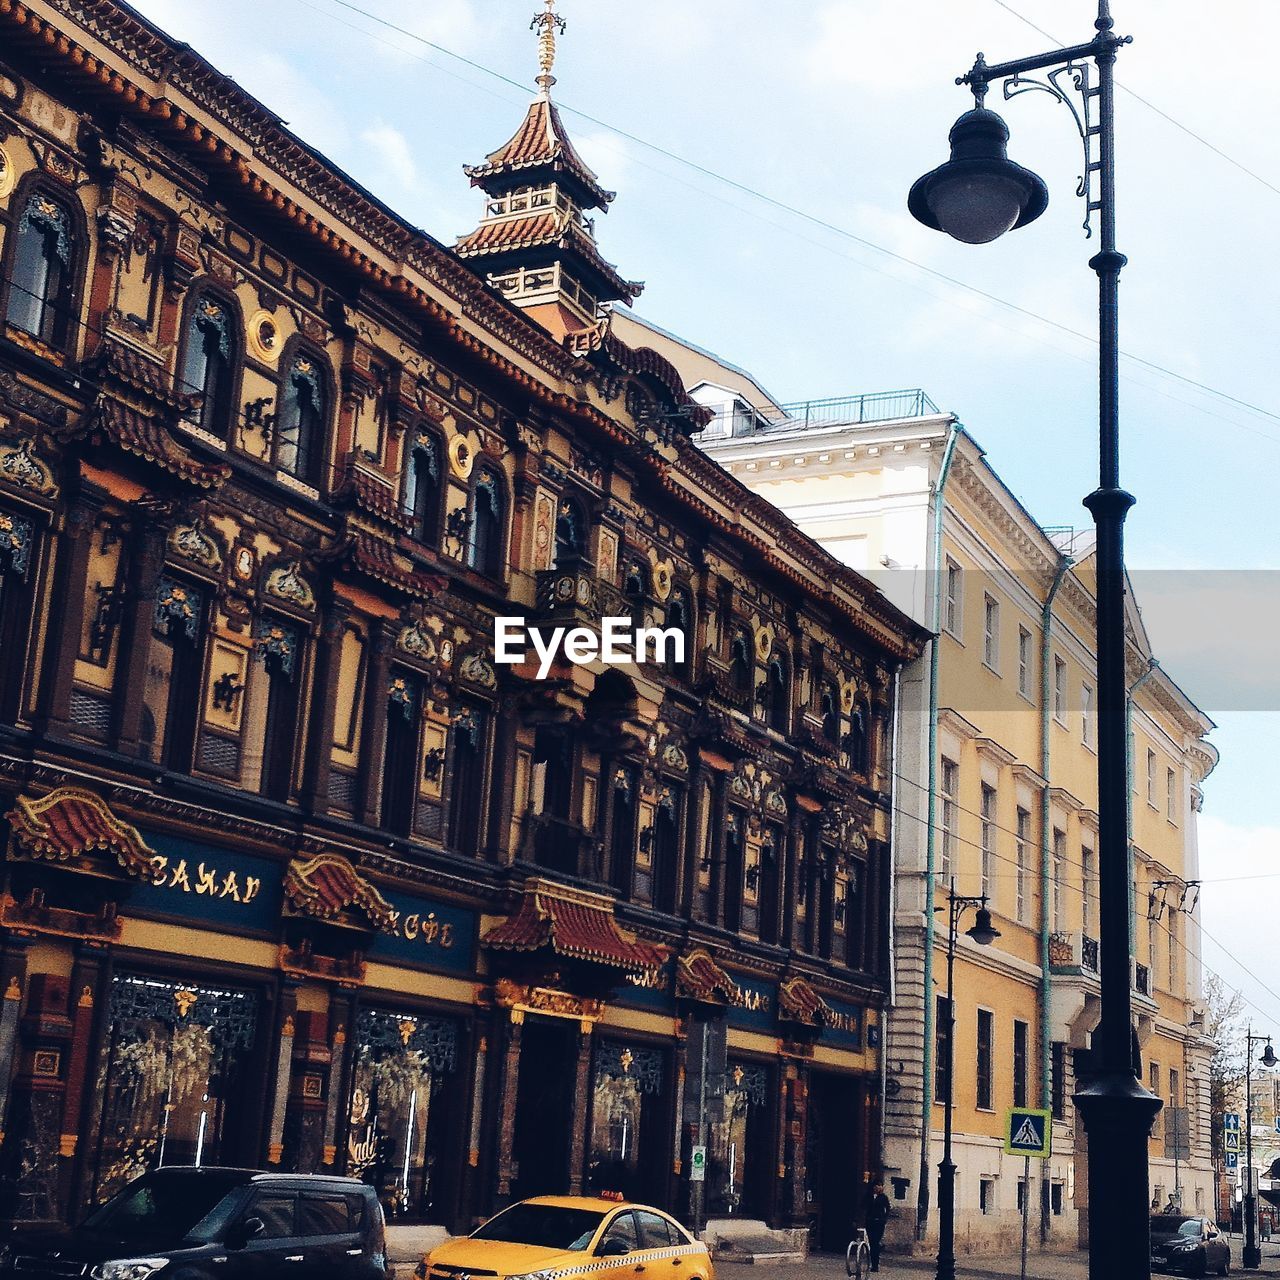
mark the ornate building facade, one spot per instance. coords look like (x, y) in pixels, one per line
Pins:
(296, 875)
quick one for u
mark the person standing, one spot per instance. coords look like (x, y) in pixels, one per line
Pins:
(878, 1210)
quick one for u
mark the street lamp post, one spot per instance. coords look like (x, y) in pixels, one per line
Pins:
(975, 197)
(1252, 1255)
(984, 933)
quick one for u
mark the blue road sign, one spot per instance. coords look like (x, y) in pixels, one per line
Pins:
(1028, 1132)
(1231, 1122)
(1233, 1159)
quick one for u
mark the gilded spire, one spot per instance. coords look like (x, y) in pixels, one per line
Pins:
(547, 24)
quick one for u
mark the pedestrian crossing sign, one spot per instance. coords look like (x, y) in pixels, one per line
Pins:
(1028, 1132)
(1231, 1140)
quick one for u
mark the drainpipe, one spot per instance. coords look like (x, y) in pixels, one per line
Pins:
(1152, 667)
(893, 901)
(931, 836)
(1046, 923)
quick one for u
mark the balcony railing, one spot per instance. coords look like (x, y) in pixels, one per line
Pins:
(855, 410)
(1073, 952)
(1141, 979)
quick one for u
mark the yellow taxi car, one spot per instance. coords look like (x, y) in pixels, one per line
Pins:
(550, 1237)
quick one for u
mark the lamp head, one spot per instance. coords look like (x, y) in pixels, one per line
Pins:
(979, 193)
(984, 933)
(1268, 1058)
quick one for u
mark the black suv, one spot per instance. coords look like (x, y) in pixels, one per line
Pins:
(181, 1223)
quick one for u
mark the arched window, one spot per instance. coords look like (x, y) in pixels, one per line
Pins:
(859, 741)
(830, 708)
(740, 662)
(778, 704)
(208, 363)
(571, 532)
(680, 618)
(300, 423)
(41, 270)
(424, 489)
(484, 540)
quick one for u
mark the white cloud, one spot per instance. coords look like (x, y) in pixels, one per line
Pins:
(392, 155)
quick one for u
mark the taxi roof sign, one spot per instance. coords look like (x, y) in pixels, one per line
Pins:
(1028, 1132)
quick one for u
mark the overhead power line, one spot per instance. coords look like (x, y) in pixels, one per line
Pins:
(791, 210)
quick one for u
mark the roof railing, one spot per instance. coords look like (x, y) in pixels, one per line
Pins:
(878, 406)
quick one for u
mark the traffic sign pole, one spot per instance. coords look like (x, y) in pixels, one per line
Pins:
(1026, 1208)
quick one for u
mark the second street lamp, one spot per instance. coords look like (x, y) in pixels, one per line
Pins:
(1252, 1255)
(976, 196)
(984, 933)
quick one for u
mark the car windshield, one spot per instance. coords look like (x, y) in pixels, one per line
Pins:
(166, 1209)
(1167, 1225)
(551, 1226)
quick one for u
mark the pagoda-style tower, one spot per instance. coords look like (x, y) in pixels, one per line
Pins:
(535, 242)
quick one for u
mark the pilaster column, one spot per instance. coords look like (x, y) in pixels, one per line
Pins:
(278, 1083)
(310, 1082)
(373, 746)
(581, 1110)
(796, 1087)
(88, 992)
(717, 852)
(507, 1087)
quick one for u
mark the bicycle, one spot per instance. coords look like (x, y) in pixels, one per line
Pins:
(857, 1257)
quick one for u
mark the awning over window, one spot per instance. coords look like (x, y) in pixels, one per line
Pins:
(71, 826)
(573, 924)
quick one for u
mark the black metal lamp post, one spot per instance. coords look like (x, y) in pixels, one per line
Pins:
(1252, 1255)
(984, 933)
(976, 196)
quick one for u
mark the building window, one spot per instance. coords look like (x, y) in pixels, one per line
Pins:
(830, 706)
(778, 696)
(735, 870)
(1024, 662)
(300, 424)
(740, 662)
(1059, 690)
(1153, 927)
(1174, 1082)
(1023, 847)
(400, 760)
(17, 559)
(1151, 778)
(622, 828)
(1086, 715)
(171, 693)
(953, 606)
(208, 364)
(1088, 870)
(1153, 1078)
(987, 1195)
(950, 783)
(552, 775)
(425, 489)
(484, 540)
(680, 618)
(988, 816)
(571, 533)
(1056, 885)
(469, 737)
(859, 742)
(1174, 921)
(1021, 1035)
(942, 1032)
(991, 632)
(1055, 1199)
(273, 706)
(41, 271)
(1171, 795)
(1022, 1195)
(1058, 1079)
(666, 849)
(986, 1021)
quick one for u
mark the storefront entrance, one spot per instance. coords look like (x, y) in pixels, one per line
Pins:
(748, 1161)
(406, 1110)
(631, 1125)
(834, 1158)
(175, 1082)
(544, 1107)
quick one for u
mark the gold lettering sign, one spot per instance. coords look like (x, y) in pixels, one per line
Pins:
(203, 879)
(433, 932)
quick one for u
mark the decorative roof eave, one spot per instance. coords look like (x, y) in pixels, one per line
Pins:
(372, 494)
(365, 553)
(327, 887)
(69, 825)
(573, 924)
(799, 1002)
(698, 977)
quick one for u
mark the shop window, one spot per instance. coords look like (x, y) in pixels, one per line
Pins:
(300, 423)
(740, 662)
(174, 1075)
(469, 742)
(210, 352)
(424, 491)
(171, 692)
(629, 1138)
(400, 760)
(485, 532)
(622, 828)
(405, 1090)
(271, 712)
(16, 566)
(571, 533)
(42, 271)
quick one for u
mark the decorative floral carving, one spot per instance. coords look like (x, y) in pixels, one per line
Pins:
(20, 465)
(414, 639)
(287, 583)
(478, 670)
(15, 545)
(193, 543)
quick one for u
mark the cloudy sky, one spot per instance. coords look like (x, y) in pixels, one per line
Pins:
(762, 154)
